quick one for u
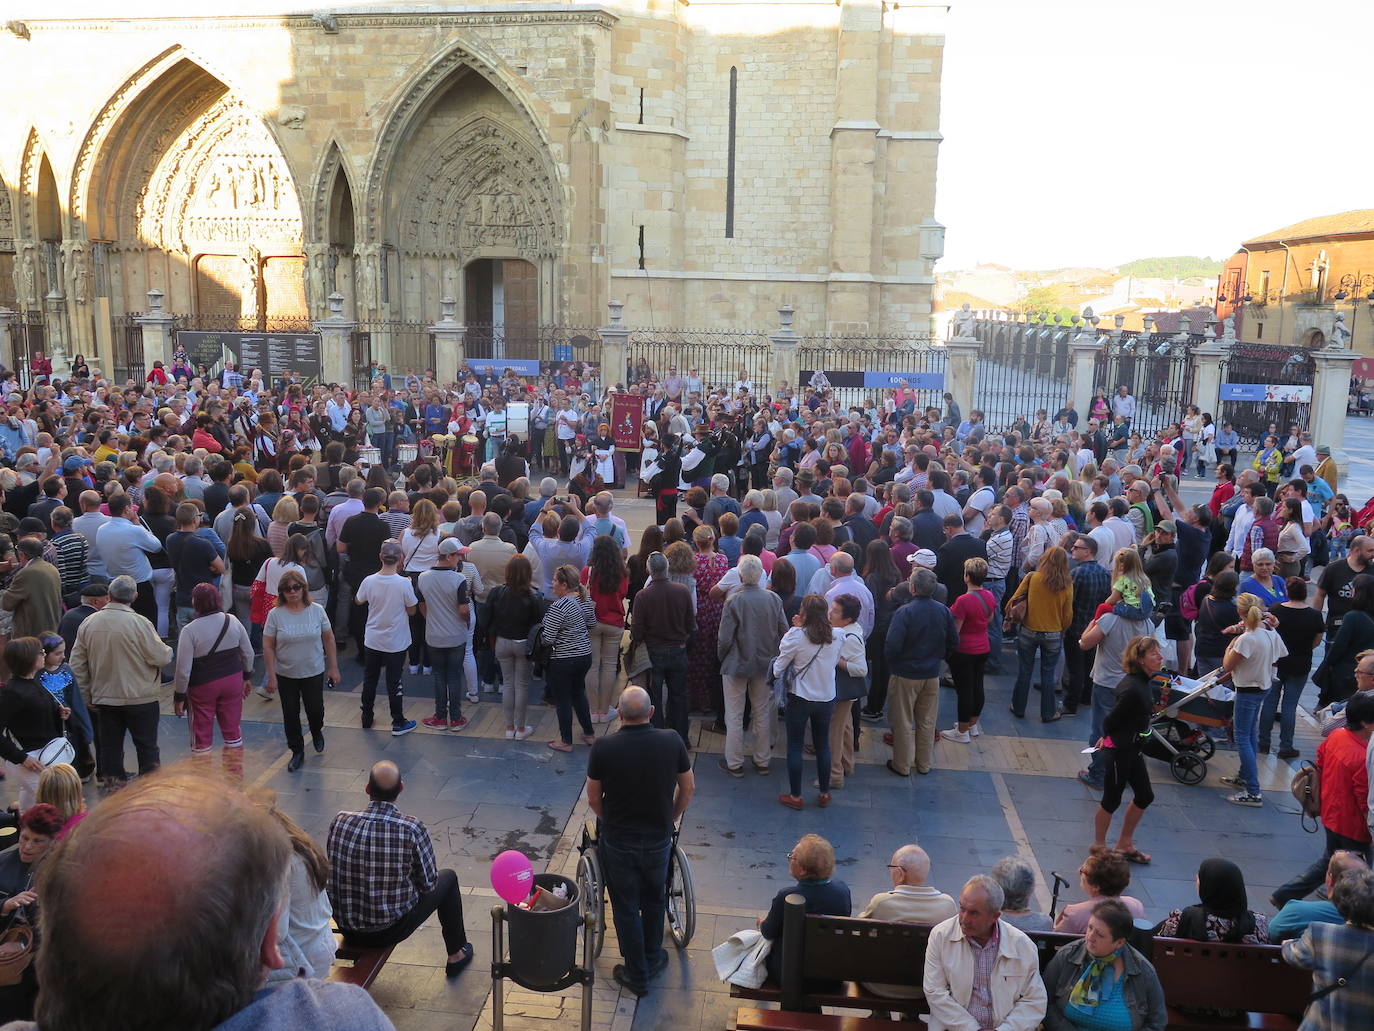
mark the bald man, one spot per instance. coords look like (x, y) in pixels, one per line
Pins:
(911, 901)
(639, 782)
(381, 903)
(173, 899)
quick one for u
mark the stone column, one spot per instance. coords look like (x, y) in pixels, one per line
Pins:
(9, 327)
(157, 331)
(960, 377)
(1330, 393)
(786, 348)
(448, 341)
(1206, 392)
(615, 346)
(1083, 351)
(336, 343)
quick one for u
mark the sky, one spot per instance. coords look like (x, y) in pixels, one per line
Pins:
(1093, 132)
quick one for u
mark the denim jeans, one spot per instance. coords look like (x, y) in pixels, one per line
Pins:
(448, 680)
(1245, 719)
(998, 589)
(800, 712)
(636, 873)
(1286, 690)
(1049, 643)
(1310, 879)
(1104, 700)
(393, 661)
(488, 669)
(668, 677)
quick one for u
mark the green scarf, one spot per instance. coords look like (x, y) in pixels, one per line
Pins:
(1087, 991)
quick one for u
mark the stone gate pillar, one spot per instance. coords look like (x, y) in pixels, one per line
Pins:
(960, 371)
(1083, 351)
(1330, 394)
(615, 346)
(157, 331)
(1206, 386)
(448, 341)
(9, 323)
(786, 351)
(336, 344)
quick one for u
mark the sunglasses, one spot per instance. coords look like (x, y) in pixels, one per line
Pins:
(292, 587)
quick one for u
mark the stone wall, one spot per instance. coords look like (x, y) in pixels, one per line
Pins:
(202, 156)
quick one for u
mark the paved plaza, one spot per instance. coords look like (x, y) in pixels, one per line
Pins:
(1011, 791)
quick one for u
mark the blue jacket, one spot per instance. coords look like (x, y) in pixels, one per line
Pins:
(921, 636)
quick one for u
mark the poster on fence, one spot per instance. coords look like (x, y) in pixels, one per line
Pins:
(276, 354)
(627, 416)
(878, 380)
(1280, 393)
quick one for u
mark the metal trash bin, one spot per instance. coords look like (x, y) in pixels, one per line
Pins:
(543, 945)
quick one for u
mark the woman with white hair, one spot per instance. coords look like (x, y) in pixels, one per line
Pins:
(752, 625)
(1261, 582)
(1017, 878)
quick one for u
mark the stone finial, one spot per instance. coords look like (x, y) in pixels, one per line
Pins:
(326, 21)
(616, 311)
(154, 301)
(1075, 319)
(336, 303)
(1119, 320)
(785, 314)
(448, 308)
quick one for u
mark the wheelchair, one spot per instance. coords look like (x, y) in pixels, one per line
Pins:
(592, 888)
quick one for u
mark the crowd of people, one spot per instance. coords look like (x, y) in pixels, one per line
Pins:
(812, 567)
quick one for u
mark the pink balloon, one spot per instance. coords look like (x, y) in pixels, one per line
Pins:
(512, 876)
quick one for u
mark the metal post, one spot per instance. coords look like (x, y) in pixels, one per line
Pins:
(498, 951)
(588, 968)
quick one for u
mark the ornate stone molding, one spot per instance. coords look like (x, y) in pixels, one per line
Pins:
(416, 94)
(595, 15)
(323, 193)
(7, 233)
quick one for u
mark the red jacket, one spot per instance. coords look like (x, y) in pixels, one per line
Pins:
(1344, 784)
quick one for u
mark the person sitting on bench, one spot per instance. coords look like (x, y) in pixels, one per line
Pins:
(911, 901)
(379, 905)
(812, 863)
(980, 971)
(172, 898)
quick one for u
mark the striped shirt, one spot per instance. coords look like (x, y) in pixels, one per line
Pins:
(1001, 548)
(380, 861)
(72, 549)
(566, 626)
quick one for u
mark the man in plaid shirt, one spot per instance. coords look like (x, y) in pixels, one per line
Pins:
(1091, 586)
(382, 878)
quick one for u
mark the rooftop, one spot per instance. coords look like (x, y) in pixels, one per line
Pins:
(1347, 223)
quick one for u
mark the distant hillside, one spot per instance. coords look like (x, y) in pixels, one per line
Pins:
(1182, 267)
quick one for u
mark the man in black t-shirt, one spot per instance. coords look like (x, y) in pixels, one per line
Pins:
(639, 782)
(194, 560)
(1336, 586)
(360, 543)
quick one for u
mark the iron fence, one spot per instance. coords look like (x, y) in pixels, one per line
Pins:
(410, 345)
(544, 344)
(128, 361)
(1266, 364)
(718, 358)
(916, 359)
(30, 337)
(1155, 368)
(1022, 368)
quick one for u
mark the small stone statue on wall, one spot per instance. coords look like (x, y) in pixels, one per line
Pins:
(1340, 335)
(964, 323)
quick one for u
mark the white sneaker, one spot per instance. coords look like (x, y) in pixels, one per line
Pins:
(612, 714)
(473, 697)
(428, 670)
(976, 730)
(957, 735)
(414, 670)
(510, 734)
(520, 735)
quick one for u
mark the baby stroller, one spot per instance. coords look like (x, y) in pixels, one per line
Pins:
(1184, 711)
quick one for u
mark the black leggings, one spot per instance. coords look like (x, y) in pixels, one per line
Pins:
(1126, 767)
(967, 671)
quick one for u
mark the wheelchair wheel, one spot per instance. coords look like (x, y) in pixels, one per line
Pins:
(591, 897)
(1188, 768)
(682, 899)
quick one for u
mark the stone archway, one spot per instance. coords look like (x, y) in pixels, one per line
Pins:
(462, 173)
(9, 296)
(187, 190)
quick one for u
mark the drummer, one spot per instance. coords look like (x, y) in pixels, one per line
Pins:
(496, 428)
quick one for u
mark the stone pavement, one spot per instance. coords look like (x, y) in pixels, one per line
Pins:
(1010, 792)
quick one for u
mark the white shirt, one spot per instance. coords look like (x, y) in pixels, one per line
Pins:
(1305, 455)
(851, 584)
(945, 505)
(567, 421)
(814, 666)
(1106, 545)
(388, 625)
(730, 583)
(980, 501)
(1240, 529)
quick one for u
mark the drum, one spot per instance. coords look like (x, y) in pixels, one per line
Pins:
(465, 455)
(407, 452)
(369, 456)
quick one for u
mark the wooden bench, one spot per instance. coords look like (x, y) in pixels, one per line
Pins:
(1251, 980)
(354, 964)
(852, 950)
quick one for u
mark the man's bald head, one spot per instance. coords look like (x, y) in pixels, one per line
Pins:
(841, 565)
(384, 781)
(913, 863)
(635, 705)
(168, 900)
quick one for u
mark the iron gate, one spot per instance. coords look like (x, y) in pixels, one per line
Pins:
(1155, 368)
(1023, 367)
(907, 357)
(719, 358)
(128, 351)
(1267, 364)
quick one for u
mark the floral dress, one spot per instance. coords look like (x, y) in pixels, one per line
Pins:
(702, 664)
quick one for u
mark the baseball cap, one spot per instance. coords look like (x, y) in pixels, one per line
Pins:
(1168, 526)
(75, 464)
(450, 546)
(925, 558)
(391, 551)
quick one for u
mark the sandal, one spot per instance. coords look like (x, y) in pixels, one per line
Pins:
(1136, 856)
(559, 746)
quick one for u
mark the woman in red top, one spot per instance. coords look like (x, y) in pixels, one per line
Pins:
(157, 374)
(202, 437)
(40, 366)
(972, 611)
(607, 581)
(1223, 491)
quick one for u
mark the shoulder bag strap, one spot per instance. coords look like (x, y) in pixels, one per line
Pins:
(222, 631)
(415, 549)
(1340, 982)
